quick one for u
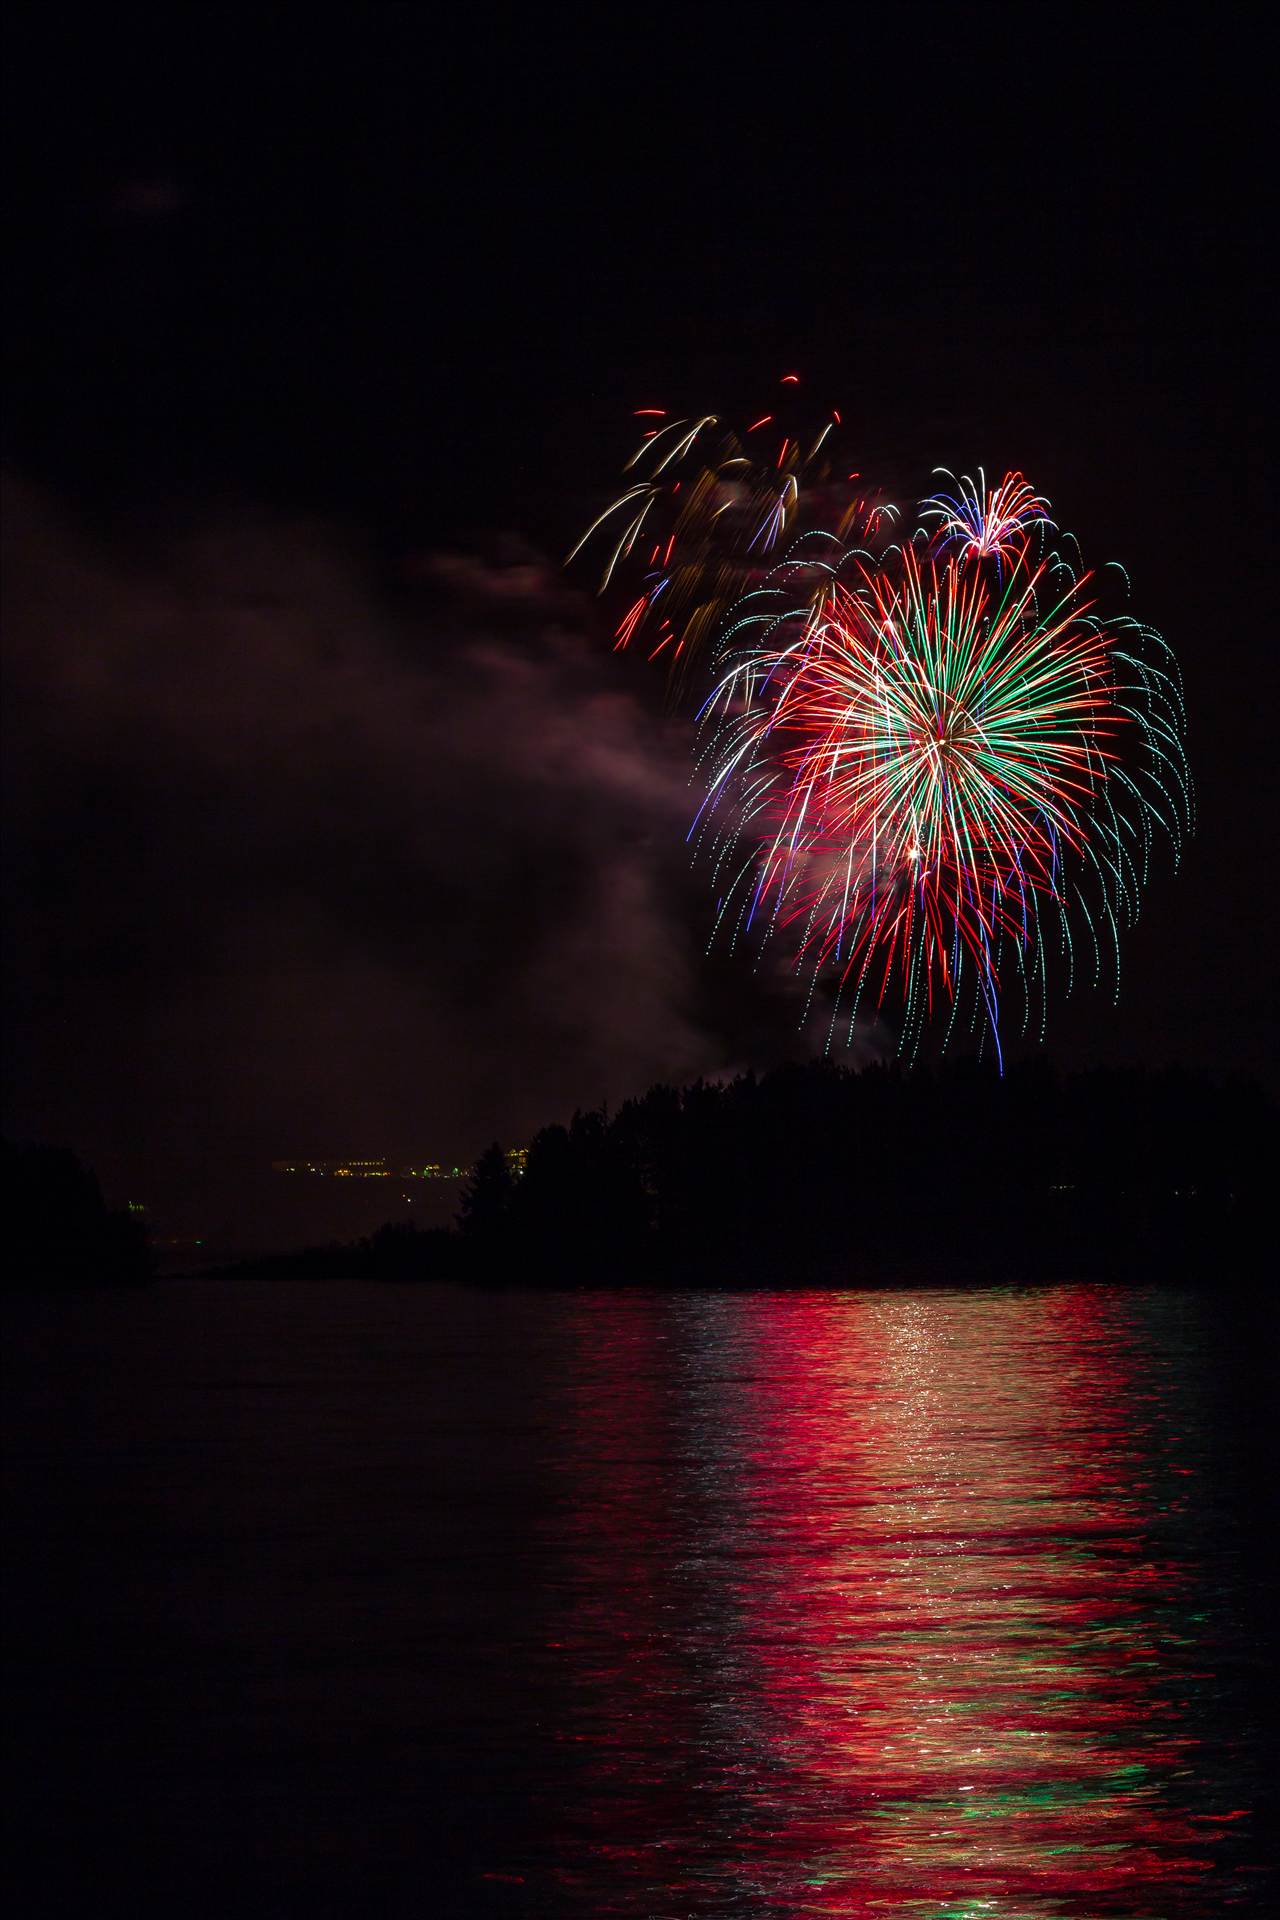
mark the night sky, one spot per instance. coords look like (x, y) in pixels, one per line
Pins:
(333, 825)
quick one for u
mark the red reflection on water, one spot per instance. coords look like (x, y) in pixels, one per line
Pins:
(869, 1612)
(970, 1664)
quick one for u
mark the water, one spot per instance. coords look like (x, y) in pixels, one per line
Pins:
(342, 1599)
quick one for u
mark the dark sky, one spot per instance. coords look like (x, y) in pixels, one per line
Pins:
(333, 826)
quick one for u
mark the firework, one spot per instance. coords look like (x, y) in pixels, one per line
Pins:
(942, 769)
(986, 523)
(937, 765)
(706, 507)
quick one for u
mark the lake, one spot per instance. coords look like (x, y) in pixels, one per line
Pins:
(352, 1599)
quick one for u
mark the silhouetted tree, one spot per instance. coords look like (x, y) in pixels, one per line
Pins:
(486, 1198)
(58, 1227)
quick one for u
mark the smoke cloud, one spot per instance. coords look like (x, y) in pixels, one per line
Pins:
(300, 865)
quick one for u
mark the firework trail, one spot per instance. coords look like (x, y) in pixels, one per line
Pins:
(705, 509)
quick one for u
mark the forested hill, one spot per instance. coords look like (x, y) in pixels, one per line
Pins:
(818, 1173)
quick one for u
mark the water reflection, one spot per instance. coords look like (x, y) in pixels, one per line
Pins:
(886, 1604)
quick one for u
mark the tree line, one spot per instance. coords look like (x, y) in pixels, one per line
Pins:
(821, 1174)
(806, 1174)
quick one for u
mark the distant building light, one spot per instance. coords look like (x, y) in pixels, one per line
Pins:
(380, 1169)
